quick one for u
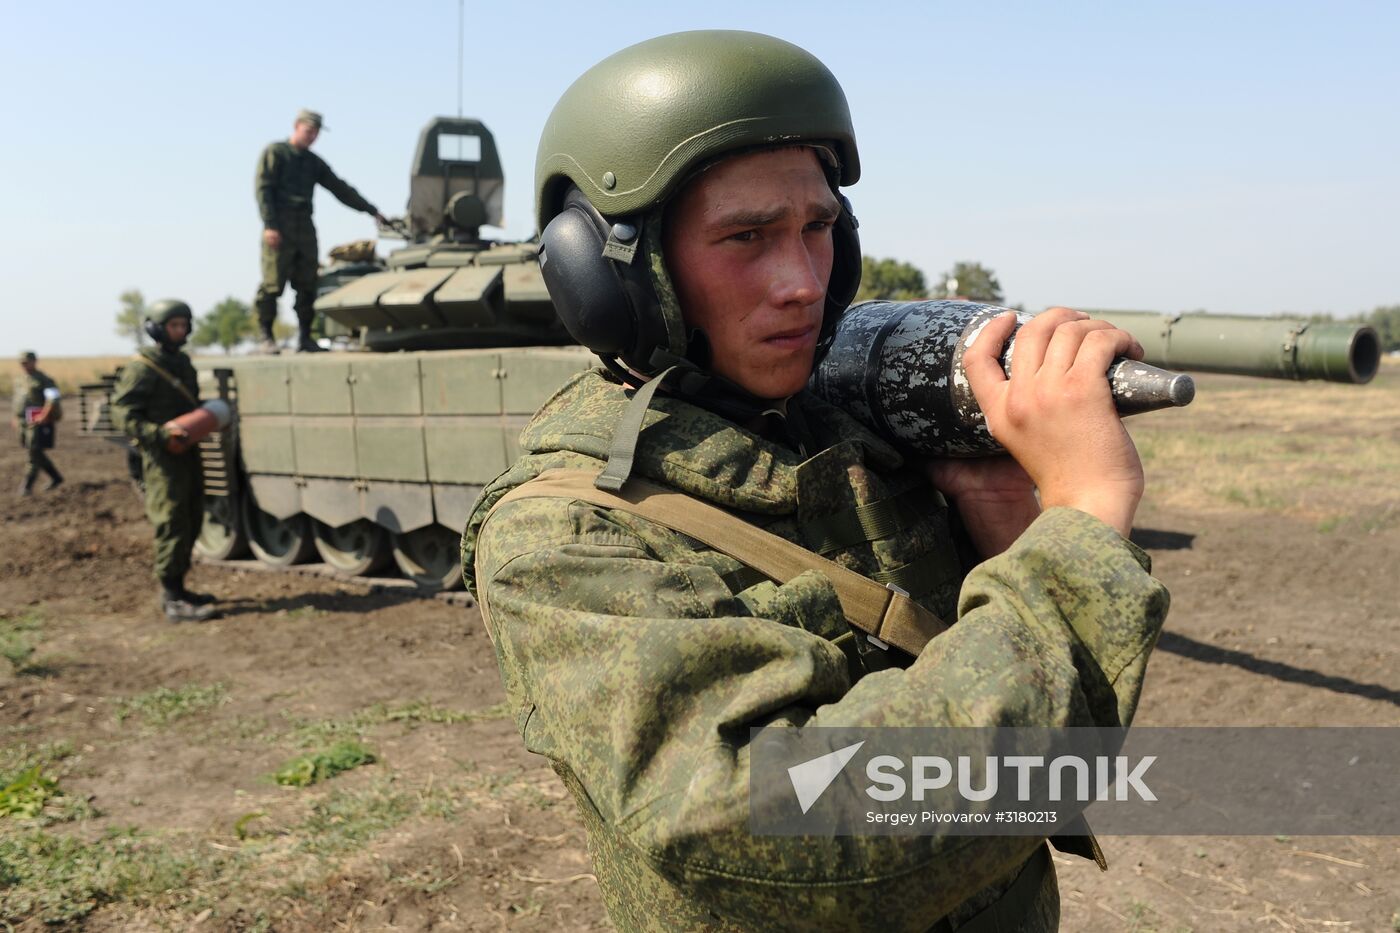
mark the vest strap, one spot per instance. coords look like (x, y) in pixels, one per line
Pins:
(165, 374)
(885, 614)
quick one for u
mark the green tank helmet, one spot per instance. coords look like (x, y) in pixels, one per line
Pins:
(632, 128)
(167, 308)
(162, 313)
(628, 134)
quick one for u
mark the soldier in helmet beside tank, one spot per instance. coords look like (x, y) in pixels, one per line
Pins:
(37, 410)
(694, 236)
(157, 386)
(288, 173)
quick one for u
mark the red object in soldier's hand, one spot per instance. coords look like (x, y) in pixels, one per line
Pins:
(189, 429)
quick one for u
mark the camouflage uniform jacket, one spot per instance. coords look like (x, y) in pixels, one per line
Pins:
(144, 400)
(633, 664)
(288, 176)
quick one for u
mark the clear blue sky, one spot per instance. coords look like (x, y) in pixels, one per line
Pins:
(1164, 155)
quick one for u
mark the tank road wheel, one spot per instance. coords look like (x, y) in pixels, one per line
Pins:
(277, 541)
(430, 557)
(221, 536)
(358, 549)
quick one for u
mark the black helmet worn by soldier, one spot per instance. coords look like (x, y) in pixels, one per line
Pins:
(162, 313)
(707, 95)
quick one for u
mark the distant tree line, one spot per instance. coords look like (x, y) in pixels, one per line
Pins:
(892, 280)
(226, 325)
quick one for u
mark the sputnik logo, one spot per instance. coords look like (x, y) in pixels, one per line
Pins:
(810, 779)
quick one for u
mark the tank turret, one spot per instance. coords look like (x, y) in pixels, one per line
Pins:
(447, 287)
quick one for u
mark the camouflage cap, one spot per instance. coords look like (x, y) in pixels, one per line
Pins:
(310, 116)
(28, 356)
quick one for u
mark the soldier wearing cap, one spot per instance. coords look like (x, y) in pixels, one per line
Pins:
(694, 236)
(288, 173)
(155, 387)
(37, 411)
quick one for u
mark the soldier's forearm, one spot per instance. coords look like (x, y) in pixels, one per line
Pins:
(145, 433)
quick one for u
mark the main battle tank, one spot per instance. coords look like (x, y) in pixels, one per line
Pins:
(379, 450)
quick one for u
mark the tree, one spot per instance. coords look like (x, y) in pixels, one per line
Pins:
(891, 280)
(970, 280)
(224, 325)
(132, 316)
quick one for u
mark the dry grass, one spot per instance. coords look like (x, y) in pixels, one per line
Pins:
(1326, 453)
(69, 371)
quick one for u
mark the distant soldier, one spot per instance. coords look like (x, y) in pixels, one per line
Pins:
(288, 173)
(37, 410)
(157, 385)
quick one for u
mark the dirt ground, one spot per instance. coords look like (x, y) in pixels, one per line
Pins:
(1273, 515)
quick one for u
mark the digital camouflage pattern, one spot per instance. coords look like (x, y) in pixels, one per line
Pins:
(142, 402)
(637, 660)
(285, 183)
(30, 394)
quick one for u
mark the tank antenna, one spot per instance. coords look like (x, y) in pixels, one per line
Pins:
(460, 20)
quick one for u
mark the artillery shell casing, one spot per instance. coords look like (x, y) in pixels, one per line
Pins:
(898, 368)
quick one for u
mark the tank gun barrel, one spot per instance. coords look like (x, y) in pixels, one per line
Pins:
(898, 368)
(1277, 348)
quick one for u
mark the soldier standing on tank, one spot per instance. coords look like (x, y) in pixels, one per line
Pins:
(37, 410)
(288, 173)
(155, 386)
(694, 236)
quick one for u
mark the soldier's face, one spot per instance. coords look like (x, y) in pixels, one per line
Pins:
(304, 134)
(749, 248)
(177, 329)
(28, 366)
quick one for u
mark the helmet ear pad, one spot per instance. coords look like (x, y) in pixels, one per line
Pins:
(608, 306)
(155, 331)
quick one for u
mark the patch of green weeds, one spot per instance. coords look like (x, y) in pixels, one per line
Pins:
(345, 820)
(19, 636)
(29, 784)
(425, 712)
(305, 770)
(22, 756)
(26, 795)
(58, 879)
(242, 827)
(1329, 524)
(160, 707)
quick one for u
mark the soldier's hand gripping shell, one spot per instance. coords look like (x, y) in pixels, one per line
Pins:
(1055, 411)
